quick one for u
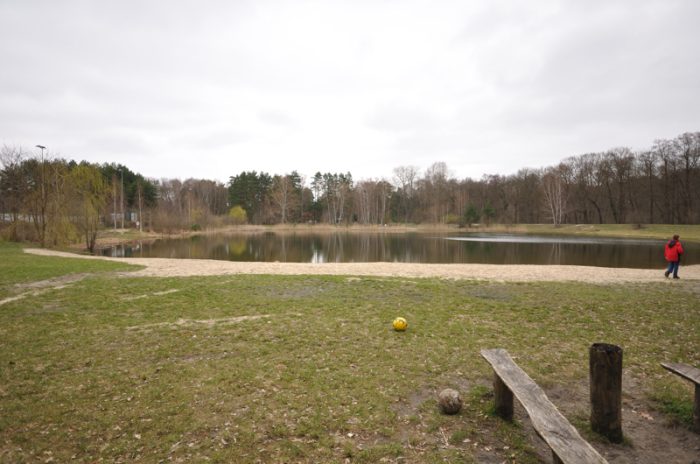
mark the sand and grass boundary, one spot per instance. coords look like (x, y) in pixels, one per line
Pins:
(163, 267)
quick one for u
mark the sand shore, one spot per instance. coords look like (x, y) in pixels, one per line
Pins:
(162, 267)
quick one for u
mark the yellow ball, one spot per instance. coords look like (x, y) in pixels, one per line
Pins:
(400, 324)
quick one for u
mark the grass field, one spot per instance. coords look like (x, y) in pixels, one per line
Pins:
(306, 369)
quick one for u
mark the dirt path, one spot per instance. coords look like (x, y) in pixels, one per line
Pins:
(43, 286)
(163, 267)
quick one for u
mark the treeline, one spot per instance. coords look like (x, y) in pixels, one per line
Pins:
(658, 185)
(53, 201)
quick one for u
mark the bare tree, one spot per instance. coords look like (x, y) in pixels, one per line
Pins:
(13, 186)
(554, 190)
(282, 195)
(371, 201)
(384, 192)
(405, 179)
(646, 163)
(45, 197)
(436, 191)
(588, 187)
(688, 149)
(363, 201)
(664, 150)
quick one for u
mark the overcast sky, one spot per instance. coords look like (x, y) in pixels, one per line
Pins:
(210, 88)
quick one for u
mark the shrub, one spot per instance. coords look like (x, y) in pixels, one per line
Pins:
(238, 215)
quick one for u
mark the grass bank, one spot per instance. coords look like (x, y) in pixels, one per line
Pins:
(651, 231)
(307, 369)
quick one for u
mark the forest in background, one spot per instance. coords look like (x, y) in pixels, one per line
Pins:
(53, 201)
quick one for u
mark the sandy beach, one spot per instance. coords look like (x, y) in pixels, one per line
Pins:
(163, 267)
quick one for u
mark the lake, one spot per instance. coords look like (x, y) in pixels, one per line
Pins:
(411, 247)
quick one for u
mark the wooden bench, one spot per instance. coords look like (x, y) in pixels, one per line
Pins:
(693, 374)
(562, 438)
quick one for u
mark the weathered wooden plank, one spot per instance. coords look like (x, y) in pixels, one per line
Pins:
(687, 372)
(693, 374)
(550, 424)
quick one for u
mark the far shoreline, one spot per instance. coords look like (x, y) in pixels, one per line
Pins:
(689, 233)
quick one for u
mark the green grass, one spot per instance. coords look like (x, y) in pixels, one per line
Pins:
(673, 398)
(124, 235)
(151, 369)
(17, 267)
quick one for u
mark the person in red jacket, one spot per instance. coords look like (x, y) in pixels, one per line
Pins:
(673, 251)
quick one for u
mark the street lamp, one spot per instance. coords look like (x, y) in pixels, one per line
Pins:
(121, 171)
(42, 148)
(189, 206)
(114, 201)
(43, 196)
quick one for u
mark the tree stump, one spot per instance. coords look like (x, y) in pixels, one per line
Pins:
(605, 368)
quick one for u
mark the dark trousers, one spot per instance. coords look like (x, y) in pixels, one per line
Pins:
(673, 268)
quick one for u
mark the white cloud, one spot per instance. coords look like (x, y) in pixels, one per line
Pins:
(208, 89)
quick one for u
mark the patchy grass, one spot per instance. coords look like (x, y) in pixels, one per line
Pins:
(17, 267)
(675, 398)
(303, 368)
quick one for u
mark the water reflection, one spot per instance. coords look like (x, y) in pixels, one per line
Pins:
(414, 248)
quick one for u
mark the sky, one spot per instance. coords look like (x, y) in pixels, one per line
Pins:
(207, 89)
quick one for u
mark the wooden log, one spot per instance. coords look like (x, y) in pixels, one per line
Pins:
(605, 368)
(503, 398)
(555, 459)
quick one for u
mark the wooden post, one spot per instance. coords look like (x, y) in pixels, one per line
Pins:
(605, 367)
(696, 409)
(503, 398)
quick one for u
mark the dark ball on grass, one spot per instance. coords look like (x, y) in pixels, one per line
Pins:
(449, 401)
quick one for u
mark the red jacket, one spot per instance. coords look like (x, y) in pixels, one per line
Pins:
(673, 250)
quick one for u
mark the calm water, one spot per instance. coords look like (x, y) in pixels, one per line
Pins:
(414, 248)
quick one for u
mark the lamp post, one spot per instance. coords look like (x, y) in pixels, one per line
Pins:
(42, 148)
(43, 197)
(114, 201)
(138, 190)
(189, 206)
(121, 171)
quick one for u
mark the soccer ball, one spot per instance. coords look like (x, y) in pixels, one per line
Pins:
(400, 324)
